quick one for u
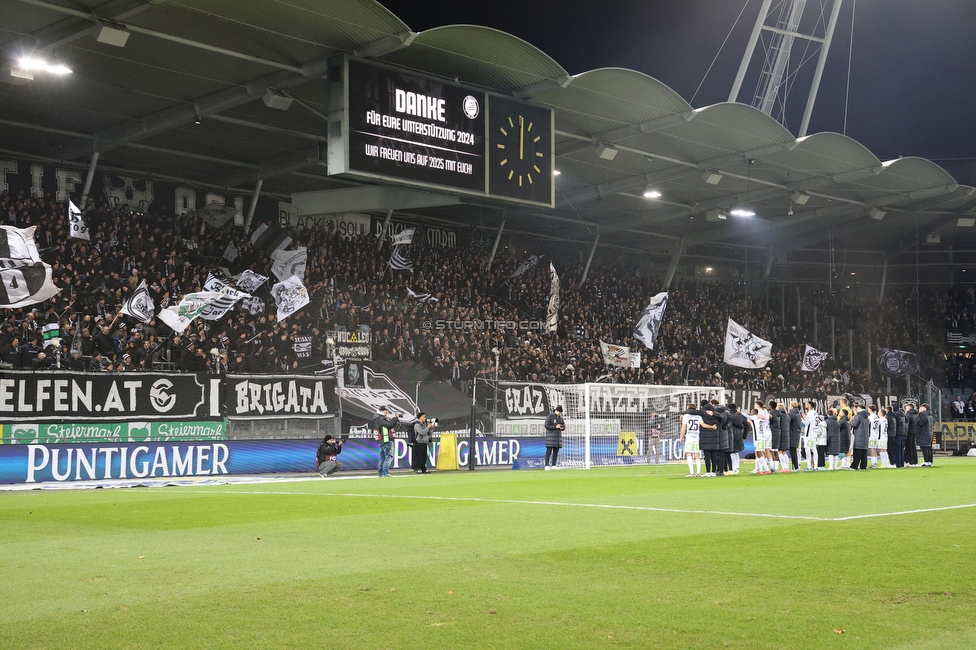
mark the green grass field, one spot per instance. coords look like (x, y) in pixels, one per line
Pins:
(620, 557)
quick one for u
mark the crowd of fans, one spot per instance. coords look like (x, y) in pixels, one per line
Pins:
(478, 309)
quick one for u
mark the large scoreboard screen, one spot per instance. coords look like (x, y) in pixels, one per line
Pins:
(394, 125)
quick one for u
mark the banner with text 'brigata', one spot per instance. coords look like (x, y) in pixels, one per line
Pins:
(87, 397)
(275, 396)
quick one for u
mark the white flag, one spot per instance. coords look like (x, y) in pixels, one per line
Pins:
(744, 349)
(650, 321)
(404, 237)
(230, 253)
(76, 225)
(812, 358)
(17, 246)
(552, 313)
(191, 306)
(26, 284)
(290, 296)
(619, 356)
(139, 304)
(249, 281)
(285, 264)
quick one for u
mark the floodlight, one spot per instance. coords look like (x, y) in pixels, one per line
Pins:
(606, 151)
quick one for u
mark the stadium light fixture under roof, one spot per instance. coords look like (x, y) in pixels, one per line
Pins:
(33, 64)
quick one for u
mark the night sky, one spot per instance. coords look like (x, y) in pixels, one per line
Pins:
(913, 66)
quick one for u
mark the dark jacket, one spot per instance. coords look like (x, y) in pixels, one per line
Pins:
(785, 424)
(327, 451)
(835, 445)
(384, 427)
(724, 433)
(845, 434)
(911, 422)
(861, 428)
(892, 424)
(739, 426)
(796, 428)
(900, 424)
(554, 436)
(775, 428)
(924, 436)
(710, 439)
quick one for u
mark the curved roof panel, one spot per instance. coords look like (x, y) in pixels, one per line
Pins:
(480, 56)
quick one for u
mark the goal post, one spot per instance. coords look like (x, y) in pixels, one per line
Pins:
(606, 424)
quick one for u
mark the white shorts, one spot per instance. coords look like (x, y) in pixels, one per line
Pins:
(692, 445)
(809, 442)
(761, 445)
(872, 443)
(883, 443)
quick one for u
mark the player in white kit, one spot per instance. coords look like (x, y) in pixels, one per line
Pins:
(764, 439)
(875, 422)
(691, 435)
(883, 438)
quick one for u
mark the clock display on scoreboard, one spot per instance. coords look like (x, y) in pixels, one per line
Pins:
(403, 126)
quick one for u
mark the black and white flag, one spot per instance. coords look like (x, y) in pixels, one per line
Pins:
(619, 356)
(249, 281)
(812, 358)
(896, 363)
(218, 308)
(404, 237)
(744, 349)
(216, 214)
(399, 261)
(252, 305)
(27, 284)
(526, 265)
(76, 225)
(302, 346)
(285, 264)
(421, 297)
(290, 296)
(230, 253)
(552, 312)
(139, 304)
(650, 321)
(17, 246)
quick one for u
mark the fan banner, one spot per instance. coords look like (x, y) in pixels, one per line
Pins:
(896, 363)
(812, 359)
(83, 397)
(76, 224)
(290, 296)
(744, 349)
(650, 321)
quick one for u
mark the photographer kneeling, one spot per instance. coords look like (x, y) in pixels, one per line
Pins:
(419, 440)
(325, 457)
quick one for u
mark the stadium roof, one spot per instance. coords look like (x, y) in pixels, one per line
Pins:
(181, 100)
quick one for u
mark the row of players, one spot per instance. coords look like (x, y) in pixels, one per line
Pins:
(843, 439)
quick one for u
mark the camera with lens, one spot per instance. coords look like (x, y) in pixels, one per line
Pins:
(432, 421)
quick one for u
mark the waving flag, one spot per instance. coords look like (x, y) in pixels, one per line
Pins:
(744, 349)
(812, 359)
(139, 304)
(76, 225)
(552, 312)
(399, 261)
(249, 281)
(290, 296)
(192, 305)
(404, 237)
(288, 263)
(650, 321)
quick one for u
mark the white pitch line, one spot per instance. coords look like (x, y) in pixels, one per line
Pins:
(606, 506)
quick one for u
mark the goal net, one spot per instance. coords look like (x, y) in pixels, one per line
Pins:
(606, 424)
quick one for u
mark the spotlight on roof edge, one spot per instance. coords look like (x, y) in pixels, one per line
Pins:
(32, 64)
(742, 212)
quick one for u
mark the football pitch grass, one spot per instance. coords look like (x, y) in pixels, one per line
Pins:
(624, 557)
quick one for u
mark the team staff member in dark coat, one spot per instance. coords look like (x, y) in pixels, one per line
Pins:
(711, 442)
(554, 436)
(924, 437)
(326, 456)
(775, 428)
(911, 433)
(861, 427)
(738, 425)
(796, 430)
(834, 449)
(897, 439)
(845, 439)
(784, 437)
(724, 438)
(420, 440)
